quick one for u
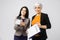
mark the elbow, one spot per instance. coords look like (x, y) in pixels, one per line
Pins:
(48, 26)
(16, 27)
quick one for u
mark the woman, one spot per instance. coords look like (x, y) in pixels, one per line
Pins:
(43, 22)
(21, 28)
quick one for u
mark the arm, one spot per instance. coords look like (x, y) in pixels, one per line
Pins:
(16, 27)
(47, 23)
(28, 24)
(42, 26)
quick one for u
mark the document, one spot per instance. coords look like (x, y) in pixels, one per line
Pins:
(33, 30)
(17, 21)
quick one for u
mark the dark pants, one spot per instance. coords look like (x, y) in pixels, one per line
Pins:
(20, 37)
(38, 38)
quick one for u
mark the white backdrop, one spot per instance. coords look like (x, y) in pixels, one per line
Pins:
(9, 9)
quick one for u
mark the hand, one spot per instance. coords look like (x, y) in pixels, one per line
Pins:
(22, 23)
(27, 32)
(39, 24)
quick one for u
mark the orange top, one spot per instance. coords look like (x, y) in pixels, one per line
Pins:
(36, 19)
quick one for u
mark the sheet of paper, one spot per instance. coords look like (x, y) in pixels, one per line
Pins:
(33, 30)
(17, 21)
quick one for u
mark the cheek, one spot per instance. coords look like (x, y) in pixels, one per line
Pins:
(35, 9)
(21, 12)
(24, 12)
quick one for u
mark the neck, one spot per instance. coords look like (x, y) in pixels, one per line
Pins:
(38, 13)
(22, 17)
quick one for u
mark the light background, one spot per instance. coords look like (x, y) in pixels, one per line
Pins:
(9, 9)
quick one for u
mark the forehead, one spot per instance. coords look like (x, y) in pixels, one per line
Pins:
(24, 9)
(37, 5)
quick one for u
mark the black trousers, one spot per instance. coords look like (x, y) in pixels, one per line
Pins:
(20, 37)
(38, 38)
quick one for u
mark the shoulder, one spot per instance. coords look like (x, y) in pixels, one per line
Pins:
(44, 14)
(28, 19)
(33, 16)
(18, 17)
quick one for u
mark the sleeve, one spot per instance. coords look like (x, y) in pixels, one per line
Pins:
(28, 24)
(16, 26)
(48, 22)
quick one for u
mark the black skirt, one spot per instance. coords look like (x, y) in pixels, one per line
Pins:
(20, 37)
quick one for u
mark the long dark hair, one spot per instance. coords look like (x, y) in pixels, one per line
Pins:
(27, 12)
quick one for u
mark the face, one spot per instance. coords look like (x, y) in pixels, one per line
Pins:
(37, 9)
(23, 11)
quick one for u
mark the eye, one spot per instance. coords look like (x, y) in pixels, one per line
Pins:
(38, 7)
(35, 7)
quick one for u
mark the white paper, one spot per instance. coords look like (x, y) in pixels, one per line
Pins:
(17, 21)
(33, 30)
